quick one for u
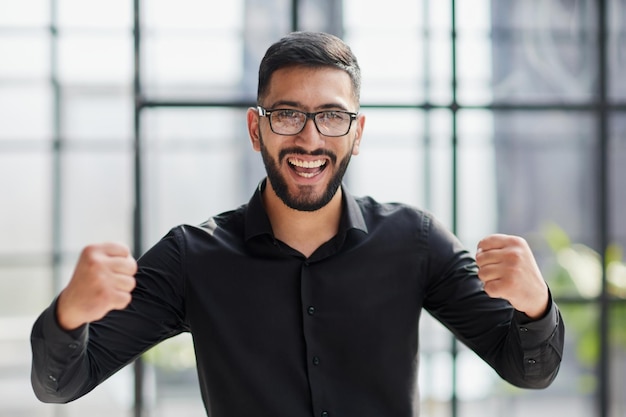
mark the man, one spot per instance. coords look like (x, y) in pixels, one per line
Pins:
(306, 300)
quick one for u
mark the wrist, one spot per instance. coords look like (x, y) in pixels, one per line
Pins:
(64, 317)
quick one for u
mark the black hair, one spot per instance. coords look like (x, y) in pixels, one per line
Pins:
(309, 49)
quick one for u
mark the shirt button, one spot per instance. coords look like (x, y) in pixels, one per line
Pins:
(311, 310)
(324, 413)
(52, 378)
(72, 345)
(523, 329)
(316, 360)
(531, 361)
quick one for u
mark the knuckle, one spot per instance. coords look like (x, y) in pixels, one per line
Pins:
(90, 251)
(132, 266)
(514, 255)
(124, 300)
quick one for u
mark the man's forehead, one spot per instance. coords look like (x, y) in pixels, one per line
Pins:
(311, 86)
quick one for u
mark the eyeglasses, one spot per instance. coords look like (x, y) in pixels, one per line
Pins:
(287, 122)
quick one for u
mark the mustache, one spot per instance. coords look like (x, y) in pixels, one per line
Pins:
(296, 150)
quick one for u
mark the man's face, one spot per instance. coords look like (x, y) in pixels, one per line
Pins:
(305, 170)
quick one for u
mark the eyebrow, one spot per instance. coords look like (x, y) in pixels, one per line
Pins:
(298, 105)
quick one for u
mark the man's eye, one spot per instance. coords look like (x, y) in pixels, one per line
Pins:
(287, 114)
(332, 116)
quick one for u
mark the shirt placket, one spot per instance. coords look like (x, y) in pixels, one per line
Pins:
(314, 350)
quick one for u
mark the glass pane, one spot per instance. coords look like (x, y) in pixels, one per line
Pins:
(173, 364)
(435, 368)
(24, 289)
(25, 211)
(194, 14)
(25, 57)
(405, 156)
(188, 186)
(616, 259)
(174, 66)
(202, 126)
(473, 16)
(618, 352)
(96, 192)
(195, 149)
(474, 65)
(387, 76)
(476, 173)
(24, 13)
(616, 53)
(105, 14)
(92, 116)
(385, 16)
(181, 44)
(543, 51)
(25, 112)
(617, 173)
(474, 71)
(392, 149)
(537, 153)
(396, 78)
(96, 59)
(529, 174)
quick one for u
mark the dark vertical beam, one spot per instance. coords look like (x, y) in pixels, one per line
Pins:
(603, 217)
(454, 107)
(139, 409)
(295, 22)
(57, 146)
(426, 85)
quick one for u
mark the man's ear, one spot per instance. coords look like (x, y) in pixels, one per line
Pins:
(252, 117)
(358, 135)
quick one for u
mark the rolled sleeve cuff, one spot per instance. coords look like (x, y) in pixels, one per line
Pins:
(533, 332)
(54, 334)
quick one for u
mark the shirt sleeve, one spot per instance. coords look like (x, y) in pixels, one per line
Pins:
(527, 353)
(69, 364)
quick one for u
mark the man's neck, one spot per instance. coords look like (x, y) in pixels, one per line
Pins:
(304, 231)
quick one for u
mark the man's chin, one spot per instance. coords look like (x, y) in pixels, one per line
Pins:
(301, 204)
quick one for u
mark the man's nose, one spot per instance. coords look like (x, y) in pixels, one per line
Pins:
(310, 132)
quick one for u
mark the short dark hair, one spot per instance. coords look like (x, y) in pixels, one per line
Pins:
(309, 49)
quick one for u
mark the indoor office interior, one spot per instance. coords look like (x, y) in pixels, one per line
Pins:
(120, 119)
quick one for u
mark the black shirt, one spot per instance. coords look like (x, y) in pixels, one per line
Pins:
(279, 334)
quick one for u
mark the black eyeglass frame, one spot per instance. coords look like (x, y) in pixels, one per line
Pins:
(263, 112)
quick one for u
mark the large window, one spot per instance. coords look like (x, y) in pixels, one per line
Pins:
(122, 119)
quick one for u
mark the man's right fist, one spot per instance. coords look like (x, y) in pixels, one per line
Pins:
(102, 281)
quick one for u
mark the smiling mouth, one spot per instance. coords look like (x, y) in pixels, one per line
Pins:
(307, 169)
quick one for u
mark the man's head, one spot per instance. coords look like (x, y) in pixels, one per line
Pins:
(308, 49)
(306, 125)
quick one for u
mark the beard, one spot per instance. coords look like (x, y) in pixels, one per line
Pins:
(306, 199)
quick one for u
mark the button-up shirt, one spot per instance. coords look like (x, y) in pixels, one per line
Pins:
(279, 334)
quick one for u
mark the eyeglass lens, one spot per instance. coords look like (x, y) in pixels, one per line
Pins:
(328, 123)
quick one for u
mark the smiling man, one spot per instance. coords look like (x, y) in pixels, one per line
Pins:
(304, 302)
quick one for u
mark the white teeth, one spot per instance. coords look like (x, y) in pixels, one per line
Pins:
(307, 164)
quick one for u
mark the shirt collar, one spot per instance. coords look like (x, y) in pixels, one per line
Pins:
(258, 223)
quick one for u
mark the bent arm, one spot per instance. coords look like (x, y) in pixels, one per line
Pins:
(68, 364)
(527, 353)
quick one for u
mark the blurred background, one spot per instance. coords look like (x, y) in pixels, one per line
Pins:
(120, 119)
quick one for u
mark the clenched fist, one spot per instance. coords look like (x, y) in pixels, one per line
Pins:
(102, 281)
(508, 270)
